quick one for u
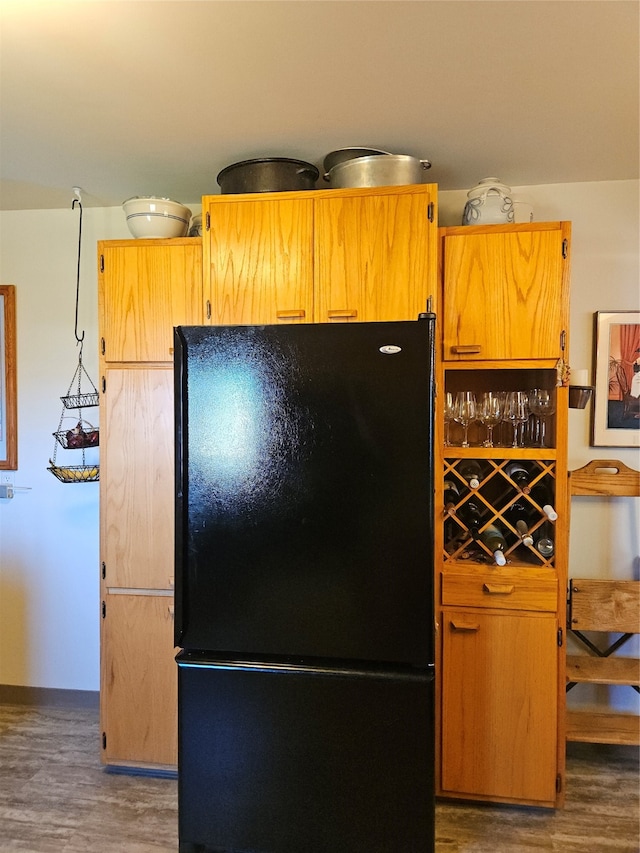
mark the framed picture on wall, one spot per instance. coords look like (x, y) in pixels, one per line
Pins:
(616, 410)
(8, 382)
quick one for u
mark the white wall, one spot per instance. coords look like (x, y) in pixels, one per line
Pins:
(49, 603)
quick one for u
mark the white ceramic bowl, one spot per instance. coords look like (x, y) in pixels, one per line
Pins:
(152, 216)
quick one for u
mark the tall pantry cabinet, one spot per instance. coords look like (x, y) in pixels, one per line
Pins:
(500, 638)
(145, 287)
(316, 256)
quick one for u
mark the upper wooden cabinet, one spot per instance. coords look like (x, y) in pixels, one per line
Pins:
(145, 288)
(258, 259)
(320, 256)
(505, 291)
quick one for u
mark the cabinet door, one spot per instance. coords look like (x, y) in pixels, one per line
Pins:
(146, 287)
(139, 695)
(374, 255)
(258, 262)
(137, 478)
(505, 291)
(499, 705)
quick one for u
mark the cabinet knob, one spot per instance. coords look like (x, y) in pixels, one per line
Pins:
(342, 314)
(293, 314)
(466, 349)
(498, 588)
(460, 625)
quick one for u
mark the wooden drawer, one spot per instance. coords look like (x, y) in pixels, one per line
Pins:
(498, 588)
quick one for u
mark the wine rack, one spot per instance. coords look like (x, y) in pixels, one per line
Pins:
(494, 496)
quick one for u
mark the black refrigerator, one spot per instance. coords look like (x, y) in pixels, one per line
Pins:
(304, 587)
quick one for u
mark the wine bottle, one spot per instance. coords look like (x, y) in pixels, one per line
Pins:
(542, 496)
(520, 475)
(518, 516)
(544, 543)
(472, 472)
(471, 516)
(451, 497)
(495, 542)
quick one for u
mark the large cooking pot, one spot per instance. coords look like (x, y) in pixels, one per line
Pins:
(378, 170)
(341, 154)
(268, 175)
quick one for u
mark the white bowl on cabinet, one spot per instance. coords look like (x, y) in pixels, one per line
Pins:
(154, 216)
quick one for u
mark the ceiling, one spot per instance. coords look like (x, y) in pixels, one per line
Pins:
(155, 97)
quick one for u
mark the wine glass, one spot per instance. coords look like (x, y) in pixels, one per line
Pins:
(465, 412)
(542, 404)
(449, 411)
(516, 412)
(490, 413)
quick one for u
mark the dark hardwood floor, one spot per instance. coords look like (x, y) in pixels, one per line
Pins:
(55, 797)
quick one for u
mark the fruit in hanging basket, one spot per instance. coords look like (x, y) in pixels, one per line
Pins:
(77, 437)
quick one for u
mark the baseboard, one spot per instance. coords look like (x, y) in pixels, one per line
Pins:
(48, 697)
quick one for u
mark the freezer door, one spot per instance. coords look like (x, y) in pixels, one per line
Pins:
(305, 490)
(289, 761)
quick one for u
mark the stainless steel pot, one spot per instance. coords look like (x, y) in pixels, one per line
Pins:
(378, 170)
(342, 154)
(268, 175)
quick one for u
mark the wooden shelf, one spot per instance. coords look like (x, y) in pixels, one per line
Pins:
(598, 727)
(585, 669)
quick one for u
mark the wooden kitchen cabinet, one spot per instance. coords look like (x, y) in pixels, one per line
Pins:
(139, 691)
(500, 638)
(145, 288)
(137, 468)
(317, 256)
(320, 256)
(505, 291)
(499, 708)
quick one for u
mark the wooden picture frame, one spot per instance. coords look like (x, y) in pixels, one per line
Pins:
(615, 418)
(8, 380)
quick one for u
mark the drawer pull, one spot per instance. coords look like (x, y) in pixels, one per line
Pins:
(466, 349)
(498, 588)
(464, 626)
(345, 312)
(291, 315)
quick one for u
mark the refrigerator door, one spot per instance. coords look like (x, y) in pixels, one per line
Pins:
(305, 490)
(291, 759)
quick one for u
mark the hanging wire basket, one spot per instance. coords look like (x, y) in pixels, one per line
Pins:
(75, 473)
(80, 399)
(79, 437)
(83, 434)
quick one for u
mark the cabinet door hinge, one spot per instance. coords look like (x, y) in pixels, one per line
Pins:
(565, 249)
(101, 263)
(560, 637)
(104, 740)
(430, 210)
(103, 570)
(104, 609)
(207, 220)
(104, 385)
(103, 347)
(558, 783)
